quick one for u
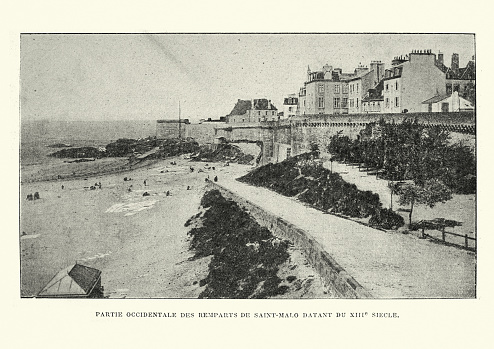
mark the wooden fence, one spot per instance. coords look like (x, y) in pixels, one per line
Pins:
(443, 239)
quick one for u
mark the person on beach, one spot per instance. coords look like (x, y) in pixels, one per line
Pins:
(145, 183)
(62, 187)
(216, 178)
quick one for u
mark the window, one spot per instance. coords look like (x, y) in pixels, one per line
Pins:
(387, 102)
(387, 87)
(352, 103)
(336, 102)
(321, 102)
(272, 113)
(357, 92)
(344, 102)
(290, 108)
(356, 105)
(259, 112)
(321, 88)
(449, 89)
(345, 88)
(336, 88)
(288, 152)
(396, 85)
(267, 112)
(397, 101)
(445, 107)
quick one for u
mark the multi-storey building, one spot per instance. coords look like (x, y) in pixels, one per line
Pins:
(411, 80)
(324, 92)
(249, 111)
(373, 102)
(290, 104)
(361, 83)
(330, 91)
(461, 80)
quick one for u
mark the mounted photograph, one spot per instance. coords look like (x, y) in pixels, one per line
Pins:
(248, 166)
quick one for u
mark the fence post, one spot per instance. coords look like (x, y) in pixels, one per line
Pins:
(444, 233)
(466, 240)
(423, 234)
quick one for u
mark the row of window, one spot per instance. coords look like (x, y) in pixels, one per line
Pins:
(395, 85)
(337, 88)
(352, 88)
(267, 112)
(337, 102)
(396, 102)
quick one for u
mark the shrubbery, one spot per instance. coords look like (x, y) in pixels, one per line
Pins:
(386, 219)
(410, 151)
(223, 152)
(305, 177)
(246, 256)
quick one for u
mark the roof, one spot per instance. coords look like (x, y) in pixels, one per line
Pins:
(263, 104)
(435, 99)
(360, 76)
(242, 106)
(76, 280)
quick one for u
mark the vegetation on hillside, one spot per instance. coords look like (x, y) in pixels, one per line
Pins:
(304, 177)
(410, 151)
(223, 152)
(246, 256)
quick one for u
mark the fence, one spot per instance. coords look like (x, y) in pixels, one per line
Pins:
(443, 239)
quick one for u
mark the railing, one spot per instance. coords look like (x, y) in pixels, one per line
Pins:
(443, 239)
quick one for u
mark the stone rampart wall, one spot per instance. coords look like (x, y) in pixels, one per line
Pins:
(333, 275)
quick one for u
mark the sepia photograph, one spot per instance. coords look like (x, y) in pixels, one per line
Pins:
(248, 166)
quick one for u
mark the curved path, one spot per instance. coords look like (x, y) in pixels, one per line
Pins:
(387, 264)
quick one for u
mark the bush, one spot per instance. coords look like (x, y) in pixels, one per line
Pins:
(386, 219)
(246, 256)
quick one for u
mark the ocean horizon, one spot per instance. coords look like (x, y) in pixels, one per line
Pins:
(37, 135)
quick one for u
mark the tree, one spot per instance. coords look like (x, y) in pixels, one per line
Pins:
(432, 192)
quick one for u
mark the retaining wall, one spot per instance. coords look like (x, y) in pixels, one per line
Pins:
(333, 275)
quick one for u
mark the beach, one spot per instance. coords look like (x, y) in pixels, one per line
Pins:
(137, 240)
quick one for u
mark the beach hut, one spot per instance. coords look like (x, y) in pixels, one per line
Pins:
(76, 281)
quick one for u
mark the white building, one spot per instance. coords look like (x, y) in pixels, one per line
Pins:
(446, 103)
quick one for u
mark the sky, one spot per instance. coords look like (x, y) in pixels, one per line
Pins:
(144, 76)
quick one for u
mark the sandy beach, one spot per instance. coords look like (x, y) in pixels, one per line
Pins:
(138, 242)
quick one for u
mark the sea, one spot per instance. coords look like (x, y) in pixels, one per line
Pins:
(37, 136)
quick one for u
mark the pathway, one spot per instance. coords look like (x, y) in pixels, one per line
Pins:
(388, 264)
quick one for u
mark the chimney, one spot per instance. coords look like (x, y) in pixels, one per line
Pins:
(455, 62)
(440, 58)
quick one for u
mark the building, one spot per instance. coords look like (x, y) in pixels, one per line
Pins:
(373, 102)
(330, 91)
(324, 92)
(251, 111)
(461, 80)
(447, 103)
(290, 105)
(411, 80)
(358, 86)
(166, 129)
